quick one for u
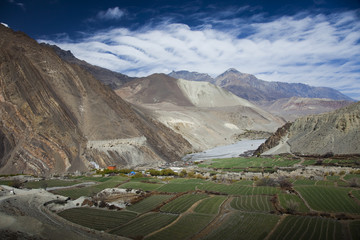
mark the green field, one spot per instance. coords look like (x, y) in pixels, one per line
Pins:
(141, 185)
(329, 199)
(186, 227)
(145, 225)
(301, 227)
(237, 189)
(149, 203)
(240, 225)
(96, 218)
(183, 203)
(252, 162)
(210, 205)
(285, 200)
(50, 183)
(253, 203)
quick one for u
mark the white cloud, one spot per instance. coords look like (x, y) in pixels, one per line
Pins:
(4, 24)
(111, 14)
(320, 50)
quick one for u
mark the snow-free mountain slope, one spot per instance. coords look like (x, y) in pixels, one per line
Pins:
(55, 117)
(205, 114)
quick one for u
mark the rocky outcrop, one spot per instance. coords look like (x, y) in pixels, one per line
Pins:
(192, 76)
(274, 139)
(110, 78)
(334, 133)
(50, 109)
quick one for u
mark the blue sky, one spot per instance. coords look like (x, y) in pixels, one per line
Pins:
(316, 42)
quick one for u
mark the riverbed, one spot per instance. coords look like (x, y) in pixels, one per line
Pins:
(228, 151)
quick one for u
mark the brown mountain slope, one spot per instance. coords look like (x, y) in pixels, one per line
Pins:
(56, 117)
(205, 114)
(337, 132)
(295, 107)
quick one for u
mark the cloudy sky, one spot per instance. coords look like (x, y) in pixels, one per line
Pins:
(316, 42)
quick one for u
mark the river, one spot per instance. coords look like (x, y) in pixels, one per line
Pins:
(228, 151)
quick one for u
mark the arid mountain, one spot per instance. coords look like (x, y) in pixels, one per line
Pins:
(55, 117)
(192, 76)
(249, 87)
(295, 107)
(337, 132)
(206, 115)
(113, 79)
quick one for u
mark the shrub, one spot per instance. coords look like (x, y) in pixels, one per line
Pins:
(137, 175)
(291, 206)
(183, 173)
(354, 182)
(191, 174)
(266, 182)
(284, 183)
(16, 183)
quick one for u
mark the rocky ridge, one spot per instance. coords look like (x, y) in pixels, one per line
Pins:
(334, 133)
(50, 109)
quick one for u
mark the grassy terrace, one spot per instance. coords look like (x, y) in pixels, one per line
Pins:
(185, 208)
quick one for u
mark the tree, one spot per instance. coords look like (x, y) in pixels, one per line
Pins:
(183, 173)
(291, 206)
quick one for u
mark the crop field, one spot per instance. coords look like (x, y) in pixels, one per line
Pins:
(50, 183)
(285, 200)
(355, 229)
(187, 226)
(183, 203)
(356, 193)
(96, 218)
(329, 199)
(149, 203)
(145, 225)
(238, 189)
(302, 227)
(304, 182)
(210, 205)
(177, 187)
(252, 162)
(240, 225)
(253, 203)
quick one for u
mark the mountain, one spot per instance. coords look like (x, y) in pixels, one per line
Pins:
(337, 132)
(295, 107)
(113, 79)
(249, 87)
(56, 117)
(193, 76)
(204, 114)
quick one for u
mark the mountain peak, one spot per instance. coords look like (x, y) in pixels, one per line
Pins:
(232, 70)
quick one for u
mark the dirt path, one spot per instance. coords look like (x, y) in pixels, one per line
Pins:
(224, 209)
(305, 202)
(275, 227)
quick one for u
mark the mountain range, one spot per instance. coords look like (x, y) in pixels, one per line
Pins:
(249, 87)
(56, 117)
(60, 114)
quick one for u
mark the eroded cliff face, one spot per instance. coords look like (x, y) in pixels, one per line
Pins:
(337, 133)
(50, 110)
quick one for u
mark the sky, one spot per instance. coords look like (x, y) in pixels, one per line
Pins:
(316, 42)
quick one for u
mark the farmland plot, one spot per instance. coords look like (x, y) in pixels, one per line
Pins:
(239, 225)
(187, 226)
(284, 200)
(96, 218)
(329, 199)
(355, 229)
(148, 203)
(210, 205)
(181, 204)
(302, 227)
(254, 203)
(145, 225)
(177, 187)
(237, 189)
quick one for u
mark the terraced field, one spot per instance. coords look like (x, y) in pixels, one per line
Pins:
(253, 203)
(329, 199)
(302, 227)
(142, 186)
(96, 218)
(145, 225)
(210, 205)
(183, 203)
(285, 201)
(149, 203)
(240, 225)
(238, 189)
(185, 227)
